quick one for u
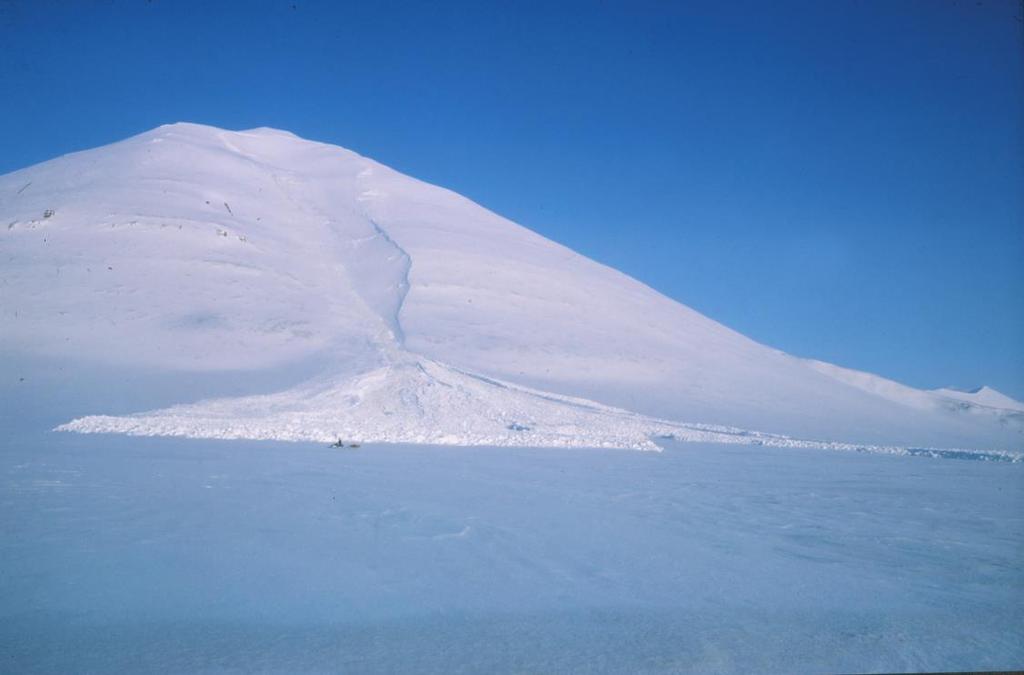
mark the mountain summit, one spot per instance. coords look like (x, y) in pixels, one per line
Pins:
(192, 249)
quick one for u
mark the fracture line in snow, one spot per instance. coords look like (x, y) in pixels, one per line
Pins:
(403, 285)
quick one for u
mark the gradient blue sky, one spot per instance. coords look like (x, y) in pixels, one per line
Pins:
(841, 180)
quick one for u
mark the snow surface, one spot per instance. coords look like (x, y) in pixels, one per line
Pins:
(176, 555)
(190, 249)
(299, 291)
(983, 396)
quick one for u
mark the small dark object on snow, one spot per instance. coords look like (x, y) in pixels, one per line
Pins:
(338, 444)
(48, 213)
(353, 445)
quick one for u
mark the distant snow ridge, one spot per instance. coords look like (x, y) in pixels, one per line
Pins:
(982, 396)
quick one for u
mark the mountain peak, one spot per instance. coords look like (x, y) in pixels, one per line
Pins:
(263, 143)
(210, 130)
(270, 131)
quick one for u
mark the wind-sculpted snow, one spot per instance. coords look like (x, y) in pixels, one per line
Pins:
(194, 249)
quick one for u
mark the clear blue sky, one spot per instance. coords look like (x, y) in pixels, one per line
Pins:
(841, 180)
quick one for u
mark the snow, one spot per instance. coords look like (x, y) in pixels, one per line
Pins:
(982, 396)
(794, 516)
(191, 249)
(421, 401)
(174, 555)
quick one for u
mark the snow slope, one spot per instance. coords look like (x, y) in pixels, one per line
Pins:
(982, 396)
(194, 249)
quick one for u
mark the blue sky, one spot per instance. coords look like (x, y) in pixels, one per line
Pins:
(841, 180)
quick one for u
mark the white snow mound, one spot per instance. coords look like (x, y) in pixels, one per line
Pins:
(416, 400)
(411, 400)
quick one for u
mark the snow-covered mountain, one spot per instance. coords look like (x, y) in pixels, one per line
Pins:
(192, 249)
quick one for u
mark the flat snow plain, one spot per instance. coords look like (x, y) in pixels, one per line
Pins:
(129, 554)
